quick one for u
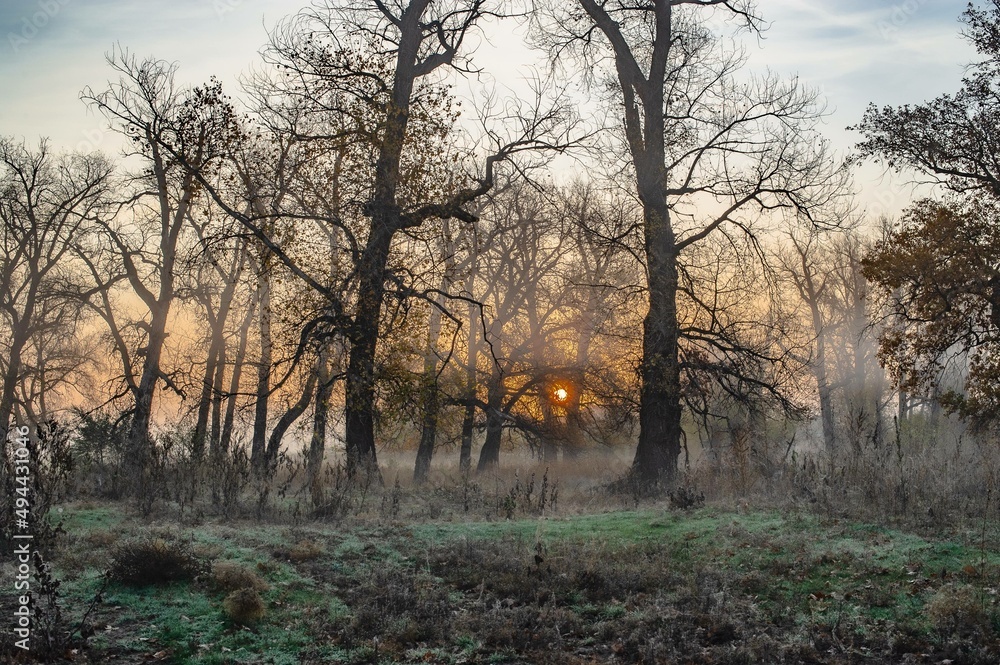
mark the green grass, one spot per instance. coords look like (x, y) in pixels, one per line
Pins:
(608, 580)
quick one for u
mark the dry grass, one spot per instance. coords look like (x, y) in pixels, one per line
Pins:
(305, 550)
(231, 576)
(244, 606)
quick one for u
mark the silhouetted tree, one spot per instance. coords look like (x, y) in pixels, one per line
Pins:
(691, 131)
(161, 122)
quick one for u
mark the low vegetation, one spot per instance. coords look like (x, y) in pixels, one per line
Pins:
(595, 582)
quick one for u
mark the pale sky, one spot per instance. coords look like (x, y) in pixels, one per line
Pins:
(853, 51)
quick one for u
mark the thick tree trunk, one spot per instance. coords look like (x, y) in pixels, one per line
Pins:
(428, 433)
(660, 397)
(489, 455)
(644, 96)
(10, 379)
(360, 380)
(140, 445)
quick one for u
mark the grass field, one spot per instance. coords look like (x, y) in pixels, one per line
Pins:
(653, 585)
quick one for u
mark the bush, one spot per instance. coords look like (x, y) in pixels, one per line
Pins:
(954, 610)
(305, 550)
(230, 576)
(151, 562)
(244, 606)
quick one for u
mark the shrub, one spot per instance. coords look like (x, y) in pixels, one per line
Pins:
(244, 606)
(155, 561)
(231, 576)
(956, 609)
(101, 538)
(305, 550)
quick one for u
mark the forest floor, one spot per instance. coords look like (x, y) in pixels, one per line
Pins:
(651, 585)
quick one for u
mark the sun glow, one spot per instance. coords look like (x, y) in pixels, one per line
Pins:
(560, 394)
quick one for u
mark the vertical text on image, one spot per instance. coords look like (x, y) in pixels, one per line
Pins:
(22, 536)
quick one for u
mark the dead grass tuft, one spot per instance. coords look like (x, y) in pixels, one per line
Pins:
(956, 611)
(231, 576)
(244, 606)
(305, 550)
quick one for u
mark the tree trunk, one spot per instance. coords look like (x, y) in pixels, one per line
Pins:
(472, 359)
(263, 363)
(360, 380)
(468, 430)
(431, 396)
(644, 96)
(234, 382)
(823, 384)
(660, 397)
(489, 455)
(321, 414)
(205, 402)
(18, 341)
(287, 419)
(139, 442)
(215, 438)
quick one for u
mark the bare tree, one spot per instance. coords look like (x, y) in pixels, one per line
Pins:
(45, 204)
(371, 76)
(802, 263)
(161, 122)
(711, 152)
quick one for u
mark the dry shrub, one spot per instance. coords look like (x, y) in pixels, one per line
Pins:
(101, 538)
(154, 561)
(208, 551)
(244, 606)
(231, 576)
(401, 607)
(305, 550)
(956, 610)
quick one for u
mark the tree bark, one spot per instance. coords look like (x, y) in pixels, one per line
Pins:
(644, 96)
(287, 419)
(472, 360)
(205, 402)
(215, 447)
(431, 396)
(234, 381)
(321, 415)
(360, 380)
(264, 361)
(489, 455)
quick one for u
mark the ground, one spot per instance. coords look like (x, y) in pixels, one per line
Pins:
(652, 585)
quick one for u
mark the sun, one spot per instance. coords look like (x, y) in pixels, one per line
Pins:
(560, 394)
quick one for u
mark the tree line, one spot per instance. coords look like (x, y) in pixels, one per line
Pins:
(350, 250)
